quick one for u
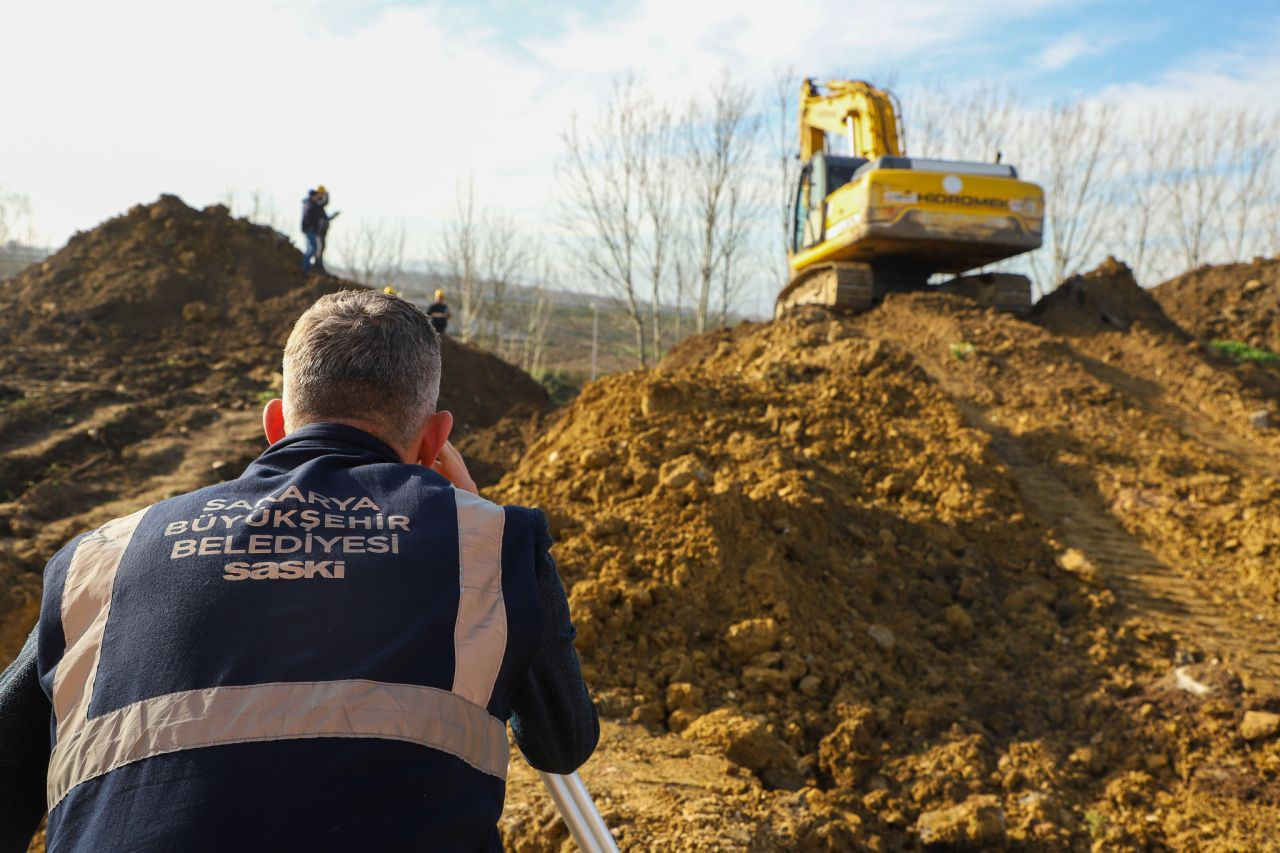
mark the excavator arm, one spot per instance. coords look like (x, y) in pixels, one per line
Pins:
(860, 112)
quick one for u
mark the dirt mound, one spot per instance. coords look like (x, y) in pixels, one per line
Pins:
(136, 361)
(165, 275)
(159, 266)
(1235, 302)
(869, 564)
(1141, 439)
(1105, 299)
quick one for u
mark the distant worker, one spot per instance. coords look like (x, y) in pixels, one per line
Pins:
(438, 311)
(320, 655)
(315, 227)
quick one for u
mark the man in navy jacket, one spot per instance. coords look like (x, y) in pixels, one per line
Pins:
(323, 653)
(315, 228)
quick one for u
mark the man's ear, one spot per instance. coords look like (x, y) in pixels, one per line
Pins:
(273, 420)
(432, 436)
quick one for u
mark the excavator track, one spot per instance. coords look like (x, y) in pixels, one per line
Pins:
(854, 287)
(845, 288)
(1002, 291)
(1140, 579)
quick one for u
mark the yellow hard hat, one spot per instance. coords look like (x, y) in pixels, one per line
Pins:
(439, 295)
(321, 190)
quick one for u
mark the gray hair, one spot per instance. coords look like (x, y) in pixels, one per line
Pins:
(362, 355)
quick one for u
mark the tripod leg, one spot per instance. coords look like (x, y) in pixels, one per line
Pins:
(579, 811)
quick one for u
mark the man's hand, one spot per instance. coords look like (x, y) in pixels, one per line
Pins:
(452, 467)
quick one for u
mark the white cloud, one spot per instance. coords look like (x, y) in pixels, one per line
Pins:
(119, 102)
(1067, 49)
(1240, 75)
(110, 104)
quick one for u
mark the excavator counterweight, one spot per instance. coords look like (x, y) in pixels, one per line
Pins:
(870, 219)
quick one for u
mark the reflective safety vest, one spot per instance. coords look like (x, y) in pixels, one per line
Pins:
(319, 653)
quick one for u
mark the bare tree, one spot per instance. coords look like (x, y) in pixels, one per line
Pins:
(720, 137)
(1191, 181)
(537, 321)
(683, 279)
(973, 123)
(15, 216)
(1137, 214)
(260, 207)
(1270, 216)
(656, 167)
(1074, 167)
(735, 242)
(602, 205)
(1247, 171)
(373, 252)
(16, 233)
(460, 250)
(506, 258)
(485, 255)
(783, 110)
(256, 205)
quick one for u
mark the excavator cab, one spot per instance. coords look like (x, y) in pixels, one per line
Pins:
(822, 175)
(875, 220)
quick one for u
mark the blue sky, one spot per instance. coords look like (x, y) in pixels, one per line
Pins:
(1084, 48)
(1059, 50)
(393, 105)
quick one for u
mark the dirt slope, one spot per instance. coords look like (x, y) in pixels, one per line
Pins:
(928, 574)
(1238, 302)
(817, 548)
(135, 362)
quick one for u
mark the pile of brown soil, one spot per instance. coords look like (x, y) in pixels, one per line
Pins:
(1105, 299)
(933, 575)
(1236, 302)
(136, 361)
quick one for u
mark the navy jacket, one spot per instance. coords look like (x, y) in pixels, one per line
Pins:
(313, 215)
(322, 653)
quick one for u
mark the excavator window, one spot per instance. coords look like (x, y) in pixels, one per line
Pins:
(840, 171)
(815, 225)
(801, 211)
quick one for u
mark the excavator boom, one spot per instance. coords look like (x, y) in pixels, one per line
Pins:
(863, 114)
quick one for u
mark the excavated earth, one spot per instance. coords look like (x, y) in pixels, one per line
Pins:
(1234, 302)
(930, 577)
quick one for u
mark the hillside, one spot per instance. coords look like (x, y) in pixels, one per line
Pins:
(928, 574)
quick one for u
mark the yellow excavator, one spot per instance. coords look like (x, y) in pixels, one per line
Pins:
(870, 219)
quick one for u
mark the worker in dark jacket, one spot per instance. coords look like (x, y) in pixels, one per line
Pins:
(321, 654)
(315, 228)
(439, 313)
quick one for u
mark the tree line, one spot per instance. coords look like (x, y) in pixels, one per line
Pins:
(676, 212)
(1165, 189)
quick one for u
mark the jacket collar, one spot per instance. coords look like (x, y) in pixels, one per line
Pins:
(322, 438)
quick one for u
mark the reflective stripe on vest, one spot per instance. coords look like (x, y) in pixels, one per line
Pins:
(480, 634)
(456, 722)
